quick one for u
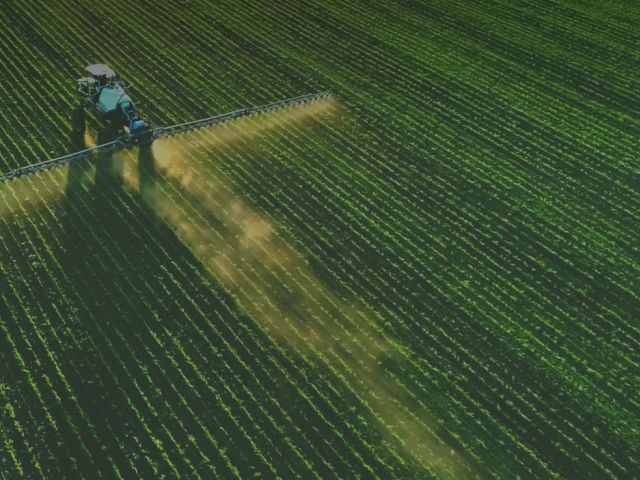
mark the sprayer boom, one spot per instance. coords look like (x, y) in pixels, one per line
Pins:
(129, 140)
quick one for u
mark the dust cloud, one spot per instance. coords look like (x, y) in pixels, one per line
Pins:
(274, 283)
(23, 194)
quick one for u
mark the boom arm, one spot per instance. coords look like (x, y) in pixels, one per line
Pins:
(165, 132)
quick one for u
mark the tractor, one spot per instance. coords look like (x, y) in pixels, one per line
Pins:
(105, 94)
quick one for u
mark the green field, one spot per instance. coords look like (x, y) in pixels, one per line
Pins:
(432, 274)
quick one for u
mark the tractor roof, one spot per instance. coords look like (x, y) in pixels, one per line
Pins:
(99, 70)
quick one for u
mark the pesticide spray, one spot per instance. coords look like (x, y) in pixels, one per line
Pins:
(274, 283)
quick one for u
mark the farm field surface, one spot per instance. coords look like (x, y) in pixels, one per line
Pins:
(431, 274)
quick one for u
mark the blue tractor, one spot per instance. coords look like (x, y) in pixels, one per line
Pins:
(105, 93)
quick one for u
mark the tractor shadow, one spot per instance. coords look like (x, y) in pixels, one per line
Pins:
(94, 216)
(143, 296)
(78, 171)
(105, 239)
(112, 252)
(102, 169)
